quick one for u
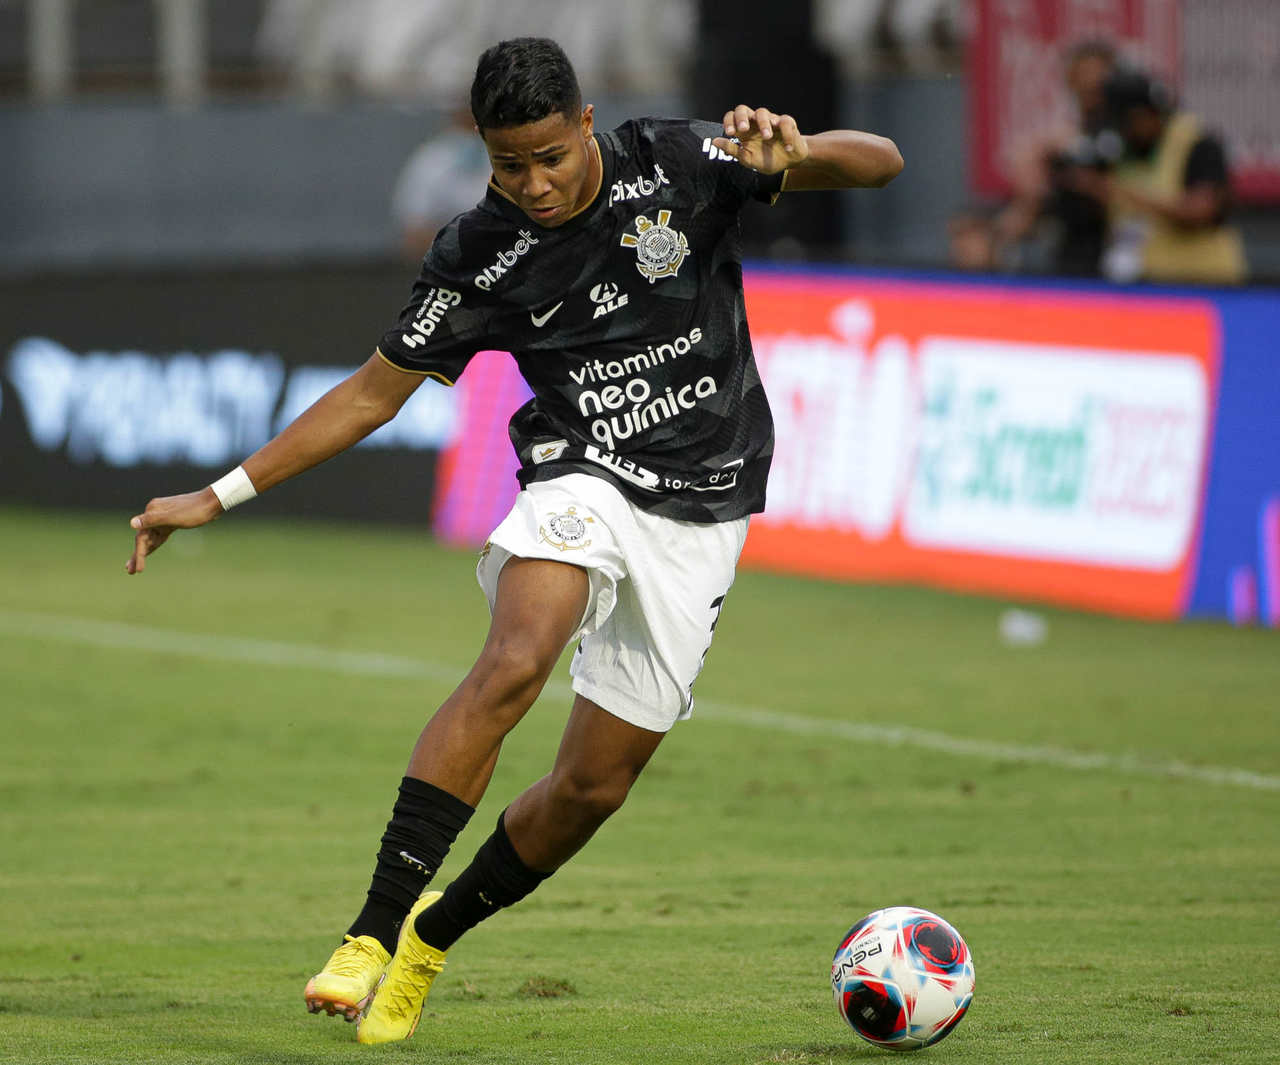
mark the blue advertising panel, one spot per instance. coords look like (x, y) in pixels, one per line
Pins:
(1238, 576)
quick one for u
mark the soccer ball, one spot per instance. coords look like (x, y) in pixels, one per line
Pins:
(902, 978)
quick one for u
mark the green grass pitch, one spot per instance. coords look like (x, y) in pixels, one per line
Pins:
(198, 762)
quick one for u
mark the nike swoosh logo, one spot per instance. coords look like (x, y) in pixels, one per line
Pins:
(541, 320)
(421, 866)
(546, 452)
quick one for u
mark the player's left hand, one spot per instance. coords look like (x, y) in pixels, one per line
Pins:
(764, 141)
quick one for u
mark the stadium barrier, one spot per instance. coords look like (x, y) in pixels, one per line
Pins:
(1116, 450)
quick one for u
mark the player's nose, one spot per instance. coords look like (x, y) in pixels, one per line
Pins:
(536, 186)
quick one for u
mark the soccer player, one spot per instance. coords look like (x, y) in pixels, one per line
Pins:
(608, 264)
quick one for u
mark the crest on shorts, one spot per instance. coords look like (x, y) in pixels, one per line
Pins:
(567, 531)
(659, 249)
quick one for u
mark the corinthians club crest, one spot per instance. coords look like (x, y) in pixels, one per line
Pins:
(659, 249)
(567, 531)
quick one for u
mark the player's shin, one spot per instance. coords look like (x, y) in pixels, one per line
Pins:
(424, 823)
(495, 879)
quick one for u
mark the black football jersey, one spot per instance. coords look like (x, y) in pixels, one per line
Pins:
(627, 321)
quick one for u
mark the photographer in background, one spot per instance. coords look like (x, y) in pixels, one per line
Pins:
(1045, 185)
(1169, 194)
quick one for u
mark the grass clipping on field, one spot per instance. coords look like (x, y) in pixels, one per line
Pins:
(545, 987)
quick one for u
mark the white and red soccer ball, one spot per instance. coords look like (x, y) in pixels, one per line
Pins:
(903, 978)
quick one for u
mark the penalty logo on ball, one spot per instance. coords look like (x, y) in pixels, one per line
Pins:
(903, 978)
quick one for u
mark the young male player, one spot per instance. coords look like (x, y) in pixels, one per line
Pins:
(608, 264)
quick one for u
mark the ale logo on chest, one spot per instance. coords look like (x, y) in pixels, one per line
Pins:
(608, 298)
(659, 249)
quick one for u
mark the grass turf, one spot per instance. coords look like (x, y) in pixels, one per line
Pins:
(185, 836)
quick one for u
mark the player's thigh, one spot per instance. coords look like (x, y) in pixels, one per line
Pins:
(537, 608)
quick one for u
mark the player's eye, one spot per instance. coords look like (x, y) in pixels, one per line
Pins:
(552, 160)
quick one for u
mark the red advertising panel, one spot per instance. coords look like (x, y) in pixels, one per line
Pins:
(1219, 54)
(1007, 440)
(1019, 95)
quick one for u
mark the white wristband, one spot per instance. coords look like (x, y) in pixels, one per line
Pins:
(234, 488)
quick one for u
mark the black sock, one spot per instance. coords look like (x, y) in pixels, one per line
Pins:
(424, 823)
(496, 878)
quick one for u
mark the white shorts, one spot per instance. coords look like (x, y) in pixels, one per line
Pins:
(656, 588)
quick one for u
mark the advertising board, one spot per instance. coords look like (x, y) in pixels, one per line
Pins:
(1116, 450)
(1238, 569)
(117, 388)
(1046, 445)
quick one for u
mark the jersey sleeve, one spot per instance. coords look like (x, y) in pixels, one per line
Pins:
(726, 180)
(445, 322)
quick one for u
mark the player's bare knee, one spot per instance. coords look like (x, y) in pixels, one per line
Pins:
(510, 672)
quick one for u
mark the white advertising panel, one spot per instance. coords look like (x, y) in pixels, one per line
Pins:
(1076, 454)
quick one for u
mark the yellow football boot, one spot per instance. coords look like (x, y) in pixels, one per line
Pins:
(397, 1006)
(347, 982)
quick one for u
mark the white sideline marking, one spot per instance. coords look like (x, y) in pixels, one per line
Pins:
(1058, 757)
(117, 635)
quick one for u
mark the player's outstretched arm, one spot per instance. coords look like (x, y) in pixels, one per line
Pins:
(836, 159)
(343, 416)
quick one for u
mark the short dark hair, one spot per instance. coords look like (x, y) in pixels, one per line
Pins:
(524, 80)
(1128, 88)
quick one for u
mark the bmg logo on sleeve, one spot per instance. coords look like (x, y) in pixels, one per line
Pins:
(434, 307)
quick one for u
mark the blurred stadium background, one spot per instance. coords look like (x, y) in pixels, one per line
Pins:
(208, 211)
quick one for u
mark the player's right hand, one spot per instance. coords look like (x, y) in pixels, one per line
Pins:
(162, 516)
(762, 140)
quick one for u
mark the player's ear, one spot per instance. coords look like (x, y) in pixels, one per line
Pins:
(588, 121)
